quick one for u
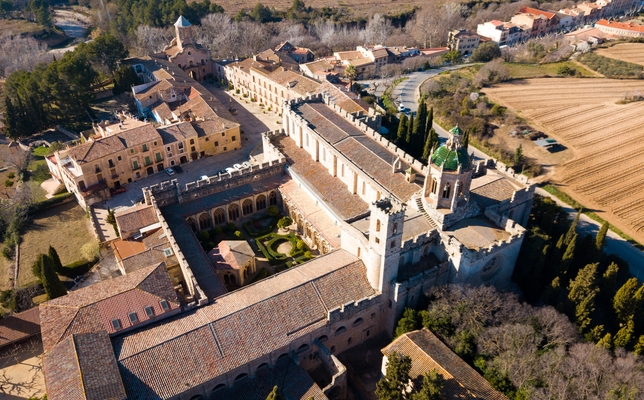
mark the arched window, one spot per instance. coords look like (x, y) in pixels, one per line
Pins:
(233, 281)
(226, 279)
(358, 322)
(434, 185)
(197, 397)
(282, 356)
(260, 202)
(204, 221)
(302, 348)
(240, 377)
(340, 330)
(247, 207)
(272, 199)
(323, 338)
(263, 365)
(233, 212)
(377, 225)
(192, 224)
(446, 191)
(218, 387)
(219, 216)
(395, 229)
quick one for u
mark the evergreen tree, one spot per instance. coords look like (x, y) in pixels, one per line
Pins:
(518, 156)
(431, 387)
(36, 268)
(601, 236)
(627, 301)
(409, 322)
(429, 125)
(391, 386)
(418, 134)
(568, 257)
(609, 280)
(402, 131)
(606, 342)
(551, 293)
(275, 394)
(58, 266)
(572, 230)
(581, 293)
(410, 130)
(639, 347)
(625, 335)
(466, 139)
(50, 281)
(11, 120)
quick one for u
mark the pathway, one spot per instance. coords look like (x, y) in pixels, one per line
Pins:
(99, 218)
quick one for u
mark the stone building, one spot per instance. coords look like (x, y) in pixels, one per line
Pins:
(387, 228)
(234, 261)
(463, 41)
(187, 54)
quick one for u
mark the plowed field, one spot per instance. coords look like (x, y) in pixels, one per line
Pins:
(607, 140)
(629, 52)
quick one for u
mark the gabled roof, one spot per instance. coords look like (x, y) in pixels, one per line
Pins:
(231, 254)
(182, 22)
(238, 327)
(428, 353)
(347, 101)
(92, 309)
(135, 218)
(83, 367)
(536, 11)
(619, 25)
(178, 132)
(19, 326)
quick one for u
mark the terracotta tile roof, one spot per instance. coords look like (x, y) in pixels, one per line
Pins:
(134, 255)
(349, 102)
(231, 254)
(329, 189)
(348, 55)
(83, 367)
(427, 352)
(238, 327)
(164, 112)
(379, 53)
(277, 58)
(619, 25)
(247, 64)
(19, 326)
(364, 152)
(178, 132)
(99, 148)
(491, 189)
(360, 62)
(135, 218)
(293, 381)
(536, 11)
(92, 309)
(295, 82)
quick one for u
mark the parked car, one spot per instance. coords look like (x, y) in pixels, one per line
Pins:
(177, 169)
(401, 107)
(238, 167)
(203, 178)
(117, 191)
(221, 171)
(169, 171)
(230, 170)
(246, 164)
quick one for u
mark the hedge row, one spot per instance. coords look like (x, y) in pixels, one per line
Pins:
(262, 232)
(43, 205)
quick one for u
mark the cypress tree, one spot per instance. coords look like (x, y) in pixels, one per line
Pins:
(410, 129)
(394, 383)
(625, 301)
(53, 254)
(466, 139)
(36, 268)
(581, 293)
(402, 131)
(568, 256)
(11, 120)
(625, 335)
(429, 125)
(601, 236)
(418, 134)
(50, 281)
(573, 229)
(275, 394)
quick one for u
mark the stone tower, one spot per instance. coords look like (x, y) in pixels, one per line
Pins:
(184, 32)
(385, 236)
(447, 185)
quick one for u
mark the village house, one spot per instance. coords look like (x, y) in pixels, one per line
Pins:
(463, 41)
(620, 29)
(503, 33)
(301, 55)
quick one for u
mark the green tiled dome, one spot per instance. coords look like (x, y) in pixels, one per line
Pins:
(456, 131)
(450, 159)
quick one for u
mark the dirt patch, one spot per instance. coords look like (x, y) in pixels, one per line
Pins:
(64, 227)
(629, 52)
(285, 247)
(605, 139)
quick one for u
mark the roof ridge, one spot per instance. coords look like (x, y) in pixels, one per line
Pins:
(80, 371)
(60, 337)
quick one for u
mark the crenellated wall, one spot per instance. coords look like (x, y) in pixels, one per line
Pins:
(347, 311)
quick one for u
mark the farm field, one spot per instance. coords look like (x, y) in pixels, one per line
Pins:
(606, 140)
(64, 227)
(629, 52)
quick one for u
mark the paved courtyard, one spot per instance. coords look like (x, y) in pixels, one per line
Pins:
(21, 371)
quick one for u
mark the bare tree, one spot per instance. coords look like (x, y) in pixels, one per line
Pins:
(152, 40)
(14, 385)
(325, 30)
(377, 30)
(431, 24)
(21, 53)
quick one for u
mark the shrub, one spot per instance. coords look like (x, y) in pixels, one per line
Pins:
(497, 110)
(610, 67)
(8, 183)
(239, 235)
(308, 255)
(11, 175)
(486, 51)
(269, 108)
(230, 227)
(217, 231)
(300, 245)
(90, 250)
(230, 87)
(204, 236)
(284, 222)
(273, 211)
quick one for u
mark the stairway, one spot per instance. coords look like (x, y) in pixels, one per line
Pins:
(419, 203)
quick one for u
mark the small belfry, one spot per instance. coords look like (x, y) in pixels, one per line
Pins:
(447, 184)
(183, 28)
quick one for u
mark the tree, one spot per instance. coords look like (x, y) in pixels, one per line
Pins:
(351, 74)
(487, 51)
(418, 134)
(402, 130)
(625, 335)
(518, 156)
(261, 13)
(392, 385)
(275, 394)
(58, 266)
(627, 302)
(273, 211)
(36, 268)
(429, 125)
(453, 57)
(568, 257)
(601, 236)
(582, 292)
(409, 322)
(50, 281)
(124, 78)
(639, 347)
(11, 120)
(572, 230)
(410, 133)
(431, 387)
(284, 222)
(106, 50)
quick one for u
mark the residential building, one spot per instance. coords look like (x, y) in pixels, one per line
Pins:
(620, 29)
(551, 20)
(537, 23)
(19, 327)
(428, 353)
(378, 54)
(301, 55)
(322, 70)
(463, 41)
(504, 33)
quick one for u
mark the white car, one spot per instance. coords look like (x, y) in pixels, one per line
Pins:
(230, 170)
(246, 164)
(203, 178)
(238, 167)
(169, 171)
(401, 107)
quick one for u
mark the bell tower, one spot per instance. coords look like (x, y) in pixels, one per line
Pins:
(183, 29)
(385, 240)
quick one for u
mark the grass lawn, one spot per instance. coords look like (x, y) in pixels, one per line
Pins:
(64, 227)
(523, 71)
(5, 282)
